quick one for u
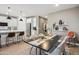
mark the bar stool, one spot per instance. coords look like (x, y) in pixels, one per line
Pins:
(10, 37)
(20, 36)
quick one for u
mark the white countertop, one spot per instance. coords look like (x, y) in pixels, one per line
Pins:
(7, 31)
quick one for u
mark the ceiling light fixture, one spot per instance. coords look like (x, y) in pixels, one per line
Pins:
(9, 10)
(21, 16)
(46, 16)
(21, 19)
(56, 5)
(8, 17)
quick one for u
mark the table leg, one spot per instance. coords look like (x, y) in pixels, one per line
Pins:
(36, 50)
(0, 46)
(0, 43)
(40, 51)
(31, 50)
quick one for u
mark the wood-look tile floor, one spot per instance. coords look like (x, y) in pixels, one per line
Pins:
(74, 50)
(24, 49)
(17, 49)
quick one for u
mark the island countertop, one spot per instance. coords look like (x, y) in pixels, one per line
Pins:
(8, 31)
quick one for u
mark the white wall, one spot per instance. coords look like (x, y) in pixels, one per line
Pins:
(69, 16)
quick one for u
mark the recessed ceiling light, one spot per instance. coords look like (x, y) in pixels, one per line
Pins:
(56, 5)
(46, 16)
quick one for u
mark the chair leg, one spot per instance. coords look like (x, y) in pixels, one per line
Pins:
(0, 44)
(40, 51)
(31, 50)
(17, 39)
(7, 42)
(36, 50)
(14, 40)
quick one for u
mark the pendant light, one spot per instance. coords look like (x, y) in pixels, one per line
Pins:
(21, 16)
(21, 19)
(8, 17)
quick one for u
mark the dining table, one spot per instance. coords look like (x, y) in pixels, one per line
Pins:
(46, 44)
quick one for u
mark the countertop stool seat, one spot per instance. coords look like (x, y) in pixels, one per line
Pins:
(10, 38)
(20, 37)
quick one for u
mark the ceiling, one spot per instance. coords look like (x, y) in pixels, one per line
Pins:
(33, 9)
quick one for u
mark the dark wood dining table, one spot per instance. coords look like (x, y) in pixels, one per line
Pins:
(48, 45)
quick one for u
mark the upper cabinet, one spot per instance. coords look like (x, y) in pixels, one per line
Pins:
(3, 24)
(8, 24)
